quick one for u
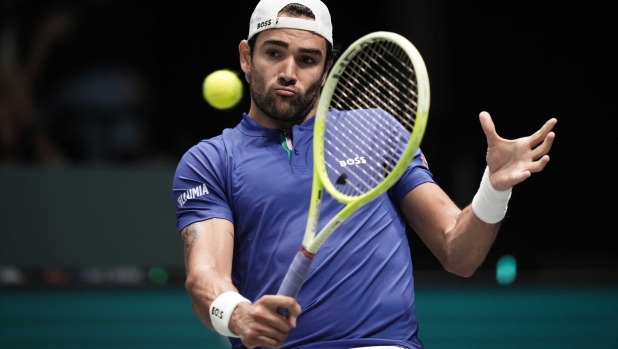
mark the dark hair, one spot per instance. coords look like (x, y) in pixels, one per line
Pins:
(298, 10)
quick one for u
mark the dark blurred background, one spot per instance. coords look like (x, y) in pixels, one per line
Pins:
(99, 99)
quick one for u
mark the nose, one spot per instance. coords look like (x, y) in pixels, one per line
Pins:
(287, 74)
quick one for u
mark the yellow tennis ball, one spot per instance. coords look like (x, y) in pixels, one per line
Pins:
(222, 89)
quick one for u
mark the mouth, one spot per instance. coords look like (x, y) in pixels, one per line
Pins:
(285, 91)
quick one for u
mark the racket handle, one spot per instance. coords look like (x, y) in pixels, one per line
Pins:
(295, 276)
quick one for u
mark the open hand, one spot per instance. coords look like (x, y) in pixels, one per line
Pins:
(512, 161)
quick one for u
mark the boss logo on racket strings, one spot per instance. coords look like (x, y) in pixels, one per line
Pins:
(192, 193)
(349, 162)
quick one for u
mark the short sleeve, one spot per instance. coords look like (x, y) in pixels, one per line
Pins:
(200, 185)
(416, 174)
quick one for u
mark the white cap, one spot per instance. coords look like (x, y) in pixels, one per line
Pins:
(266, 16)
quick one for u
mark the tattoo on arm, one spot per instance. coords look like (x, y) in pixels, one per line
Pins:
(189, 237)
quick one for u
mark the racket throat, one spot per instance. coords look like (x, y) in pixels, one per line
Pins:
(306, 253)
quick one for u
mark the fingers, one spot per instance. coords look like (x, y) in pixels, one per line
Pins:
(255, 337)
(538, 166)
(544, 136)
(544, 147)
(542, 133)
(263, 326)
(275, 302)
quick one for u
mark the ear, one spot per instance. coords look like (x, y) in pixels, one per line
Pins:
(326, 71)
(245, 56)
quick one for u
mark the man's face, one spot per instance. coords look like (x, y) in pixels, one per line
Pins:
(287, 73)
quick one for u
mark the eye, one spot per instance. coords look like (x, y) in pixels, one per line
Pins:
(272, 53)
(308, 60)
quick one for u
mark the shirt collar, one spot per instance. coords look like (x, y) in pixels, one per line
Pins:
(250, 127)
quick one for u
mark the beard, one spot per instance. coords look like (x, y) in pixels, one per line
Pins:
(292, 109)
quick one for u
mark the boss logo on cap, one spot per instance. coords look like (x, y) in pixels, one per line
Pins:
(264, 24)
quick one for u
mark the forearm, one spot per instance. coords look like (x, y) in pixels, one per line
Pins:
(209, 267)
(458, 238)
(203, 287)
(476, 227)
(208, 247)
(468, 242)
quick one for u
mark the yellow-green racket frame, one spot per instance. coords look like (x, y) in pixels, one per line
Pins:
(311, 242)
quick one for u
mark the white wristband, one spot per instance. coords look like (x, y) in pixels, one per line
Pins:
(221, 310)
(490, 204)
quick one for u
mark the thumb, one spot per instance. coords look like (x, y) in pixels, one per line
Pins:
(488, 127)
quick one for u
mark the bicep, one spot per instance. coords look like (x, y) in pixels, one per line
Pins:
(209, 244)
(431, 214)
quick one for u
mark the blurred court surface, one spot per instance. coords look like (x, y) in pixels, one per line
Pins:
(450, 318)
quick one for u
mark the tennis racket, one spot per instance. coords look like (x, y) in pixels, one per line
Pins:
(368, 126)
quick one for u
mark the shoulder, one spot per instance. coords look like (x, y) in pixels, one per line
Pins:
(213, 152)
(206, 154)
(206, 148)
(217, 146)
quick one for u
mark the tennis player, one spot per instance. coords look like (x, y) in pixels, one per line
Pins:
(242, 200)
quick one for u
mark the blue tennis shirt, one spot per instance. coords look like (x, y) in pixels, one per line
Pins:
(359, 290)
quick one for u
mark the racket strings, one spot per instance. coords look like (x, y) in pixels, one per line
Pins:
(347, 91)
(405, 82)
(362, 105)
(365, 74)
(359, 140)
(367, 177)
(366, 107)
(381, 165)
(388, 74)
(349, 143)
(376, 101)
